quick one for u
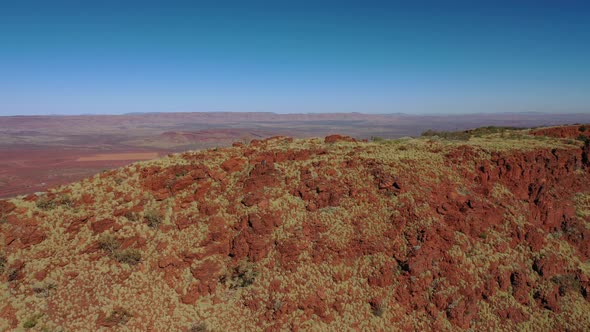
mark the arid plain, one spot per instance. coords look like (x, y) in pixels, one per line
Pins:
(37, 152)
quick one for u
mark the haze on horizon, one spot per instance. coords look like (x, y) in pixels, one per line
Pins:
(66, 57)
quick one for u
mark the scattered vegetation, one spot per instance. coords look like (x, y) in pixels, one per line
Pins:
(153, 218)
(45, 203)
(467, 134)
(44, 290)
(13, 275)
(128, 256)
(377, 139)
(242, 275)
(131, 216)
(198, 327)
(315, 233)
(377, 308)
(32, 321)
(111, 245)
(119, 316)
(108, 243)
(568, 282)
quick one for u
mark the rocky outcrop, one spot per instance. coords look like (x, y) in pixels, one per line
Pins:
(280, 235)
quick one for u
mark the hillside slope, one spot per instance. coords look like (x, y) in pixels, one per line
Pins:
(414, 234)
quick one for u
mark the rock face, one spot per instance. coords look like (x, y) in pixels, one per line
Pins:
(316, 234)
(564, 131)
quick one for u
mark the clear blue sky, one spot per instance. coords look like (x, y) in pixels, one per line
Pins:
(60, 57)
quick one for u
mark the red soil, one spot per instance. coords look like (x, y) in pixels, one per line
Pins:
(31, 169)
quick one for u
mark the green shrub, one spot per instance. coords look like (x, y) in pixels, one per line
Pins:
(45, 203)
(66, 201)
(32, 321)
(108, 243)
(467, 134)
(198, 327)
(242, 275)
(2, 263)
(377, 308)
(567, 282)
(44, 290)
(128, 256)
(119, 316)
(153, 218)
(131, 216)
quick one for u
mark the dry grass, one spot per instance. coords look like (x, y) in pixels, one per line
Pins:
(134, 279)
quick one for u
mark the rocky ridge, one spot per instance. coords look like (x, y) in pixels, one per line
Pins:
(412, 234)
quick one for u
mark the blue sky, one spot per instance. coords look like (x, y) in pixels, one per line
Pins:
(59, 57)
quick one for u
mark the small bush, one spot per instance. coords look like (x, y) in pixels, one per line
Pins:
(242, 275)
(2, 263)
(108, 243)
(45, 203)
(32, 321)
(44, 290)
(582, 129)
(377, 308)
(467, 134)
(131, 216)
(119, 316)
(568, 282)
(66, 201)
(198, 327)
(128, 256)
(13, 275)
(153, 219)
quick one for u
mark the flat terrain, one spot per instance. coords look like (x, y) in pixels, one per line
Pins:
(120, 156)
(37, 152)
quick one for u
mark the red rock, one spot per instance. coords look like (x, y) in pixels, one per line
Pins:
(202, 191)
(563, 131)
(183, 222)
(6, 208)
(182, 184)
(206, 271)
(8, 312)
(384, 277)
(208, 208)
(289, 252)
(161, 194)
(167, 261)
(336, 138)
(27, 231)
(252, 199)
(104, 224)
(40, 275)
(234, 164)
